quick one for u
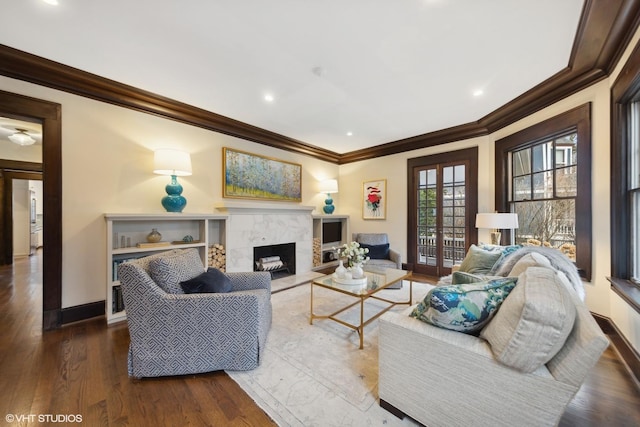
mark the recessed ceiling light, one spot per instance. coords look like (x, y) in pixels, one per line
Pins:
(269, 98)
(478, 92)
(53, 2)
(349, 133)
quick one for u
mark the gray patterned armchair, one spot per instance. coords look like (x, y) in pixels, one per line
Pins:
(178, 334)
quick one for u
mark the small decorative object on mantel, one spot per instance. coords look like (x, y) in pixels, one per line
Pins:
(154, 236)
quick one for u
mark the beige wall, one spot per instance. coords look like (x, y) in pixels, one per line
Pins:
(107, 158)
(107, 162)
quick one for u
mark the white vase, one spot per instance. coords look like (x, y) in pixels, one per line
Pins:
(357, 271)
(341, 270)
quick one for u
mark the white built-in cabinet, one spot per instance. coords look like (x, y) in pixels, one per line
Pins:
(326, 247)
(126, 232)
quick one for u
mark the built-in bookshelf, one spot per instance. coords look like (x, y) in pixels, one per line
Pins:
(127, 239)
(329, 231)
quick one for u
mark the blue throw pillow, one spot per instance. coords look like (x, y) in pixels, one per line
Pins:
(464, 308)
(377, 251)
(211, 281)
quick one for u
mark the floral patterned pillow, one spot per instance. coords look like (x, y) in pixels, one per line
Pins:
(464, 308)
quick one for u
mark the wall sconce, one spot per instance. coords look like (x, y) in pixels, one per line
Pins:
(496, 222)
(175, 163)
(329, 186)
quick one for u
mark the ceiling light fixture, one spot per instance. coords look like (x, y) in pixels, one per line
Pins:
(268, 97)
(52, 2)
(349, 133)
(21, 137)
(478, 92)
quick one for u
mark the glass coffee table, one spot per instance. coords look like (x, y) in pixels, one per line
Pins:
(377, 280)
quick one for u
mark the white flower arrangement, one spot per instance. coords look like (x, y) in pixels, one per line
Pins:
(353, 253)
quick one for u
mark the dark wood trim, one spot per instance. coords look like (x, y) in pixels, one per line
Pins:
(25, 66)
(470, 157)
(625, 350)
(579, 119)
(82, 312)
(49, 115)
(605, 29)
(392, 409)
(626, 89)
(20, 166)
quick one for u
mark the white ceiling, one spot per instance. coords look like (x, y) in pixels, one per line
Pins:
(382, 69)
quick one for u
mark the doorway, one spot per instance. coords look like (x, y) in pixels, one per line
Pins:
(442, 207)
(47, 114)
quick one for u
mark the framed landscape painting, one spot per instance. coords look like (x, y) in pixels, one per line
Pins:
(374, 203)
(251, 176)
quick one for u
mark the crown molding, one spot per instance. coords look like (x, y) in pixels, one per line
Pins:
(24, 66)
(605, 29)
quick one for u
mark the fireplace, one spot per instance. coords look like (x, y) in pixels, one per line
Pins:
(279, 260)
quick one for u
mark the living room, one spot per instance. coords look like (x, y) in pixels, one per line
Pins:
(107, 167)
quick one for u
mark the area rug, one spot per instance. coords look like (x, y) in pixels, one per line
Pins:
(315, 375)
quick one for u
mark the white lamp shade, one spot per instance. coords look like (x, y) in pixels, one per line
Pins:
(497, 221)
(329, 186)
(171, 162)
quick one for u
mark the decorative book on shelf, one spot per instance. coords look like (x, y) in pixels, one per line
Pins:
(152, 245)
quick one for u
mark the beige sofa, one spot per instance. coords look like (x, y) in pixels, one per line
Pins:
(441, 377)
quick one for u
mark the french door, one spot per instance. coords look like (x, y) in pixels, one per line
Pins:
(442, 209)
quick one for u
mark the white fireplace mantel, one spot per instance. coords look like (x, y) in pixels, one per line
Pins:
(248, 208)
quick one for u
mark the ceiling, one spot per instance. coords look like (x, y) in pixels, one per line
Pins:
(382, 70)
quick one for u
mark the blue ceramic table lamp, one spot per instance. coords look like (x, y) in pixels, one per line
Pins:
(175, 163)
(329, 186)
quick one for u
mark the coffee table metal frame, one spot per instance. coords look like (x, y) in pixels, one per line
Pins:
(376, 281)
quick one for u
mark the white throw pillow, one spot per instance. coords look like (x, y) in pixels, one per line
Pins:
(533, 322)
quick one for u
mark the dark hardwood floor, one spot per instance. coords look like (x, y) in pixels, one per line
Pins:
(81, 370)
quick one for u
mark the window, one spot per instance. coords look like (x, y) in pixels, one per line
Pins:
(634, 190)
(625, 182)
(544, 189)
(543, 173)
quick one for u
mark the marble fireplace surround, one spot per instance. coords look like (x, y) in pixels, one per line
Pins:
(260, 224)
